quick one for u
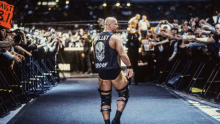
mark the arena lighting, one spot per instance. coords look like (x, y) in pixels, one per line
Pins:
(39, 3)
(26, 6)
(44, 3)
(67, 2)
(67, 6)
(104, 4)
(57, 0)
(117, 4)
(52, 3)
(128, 4)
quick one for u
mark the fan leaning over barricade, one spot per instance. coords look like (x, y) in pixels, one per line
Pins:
(26, 45)
(197, 34)
(4, 45)
(20, 40)
(213, 42)
(8, 51)
(161, 39)
(173, 39)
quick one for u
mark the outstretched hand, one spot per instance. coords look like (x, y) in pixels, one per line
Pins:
(17, 59)
(29, 54)
(182, 46)
(151, 45)
(170, 59)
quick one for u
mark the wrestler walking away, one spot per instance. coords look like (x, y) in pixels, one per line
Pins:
(107, 48)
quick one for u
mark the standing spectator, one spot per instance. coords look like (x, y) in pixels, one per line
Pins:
(217, 20)
(143, 26)
(133, 45)
(86, 52)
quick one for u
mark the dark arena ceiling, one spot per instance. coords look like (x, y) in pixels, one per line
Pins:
(39, 11)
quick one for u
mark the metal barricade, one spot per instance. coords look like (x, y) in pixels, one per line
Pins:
(28, 79)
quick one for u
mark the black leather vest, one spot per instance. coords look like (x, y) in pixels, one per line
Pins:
(105, 56)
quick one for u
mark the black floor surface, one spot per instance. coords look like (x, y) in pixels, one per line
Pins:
(77, 101)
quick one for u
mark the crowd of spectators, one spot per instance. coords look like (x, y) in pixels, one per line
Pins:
(184, 35)
(193, 36)
(14, 44)
(194, 39)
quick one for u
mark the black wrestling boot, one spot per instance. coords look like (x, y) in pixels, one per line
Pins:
(116, 120)
(136, 82)
(129, 81)
(107, 121)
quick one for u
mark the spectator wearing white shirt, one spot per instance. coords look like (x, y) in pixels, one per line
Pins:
(143, 26)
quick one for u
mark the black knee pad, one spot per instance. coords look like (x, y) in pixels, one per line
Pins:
(124, 92)
(105, 99)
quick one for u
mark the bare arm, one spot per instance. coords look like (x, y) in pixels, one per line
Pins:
(11, 56)
(5, 44)
(148, 24)
(121, 51)
(162, 42)
(184, 37)
(13, 53)
(208, 27)
(206, 32)
(169, 35)
(22, 49)
(178, 38)
(173, 55)
(205, 40)
(124, 57)
(139, 30)
(17, 55)
(171, 26)
(158, 26)
(24, 36)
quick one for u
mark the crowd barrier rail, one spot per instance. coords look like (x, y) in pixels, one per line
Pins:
(28, 79)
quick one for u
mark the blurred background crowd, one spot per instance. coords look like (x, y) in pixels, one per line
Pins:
(179, 37)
